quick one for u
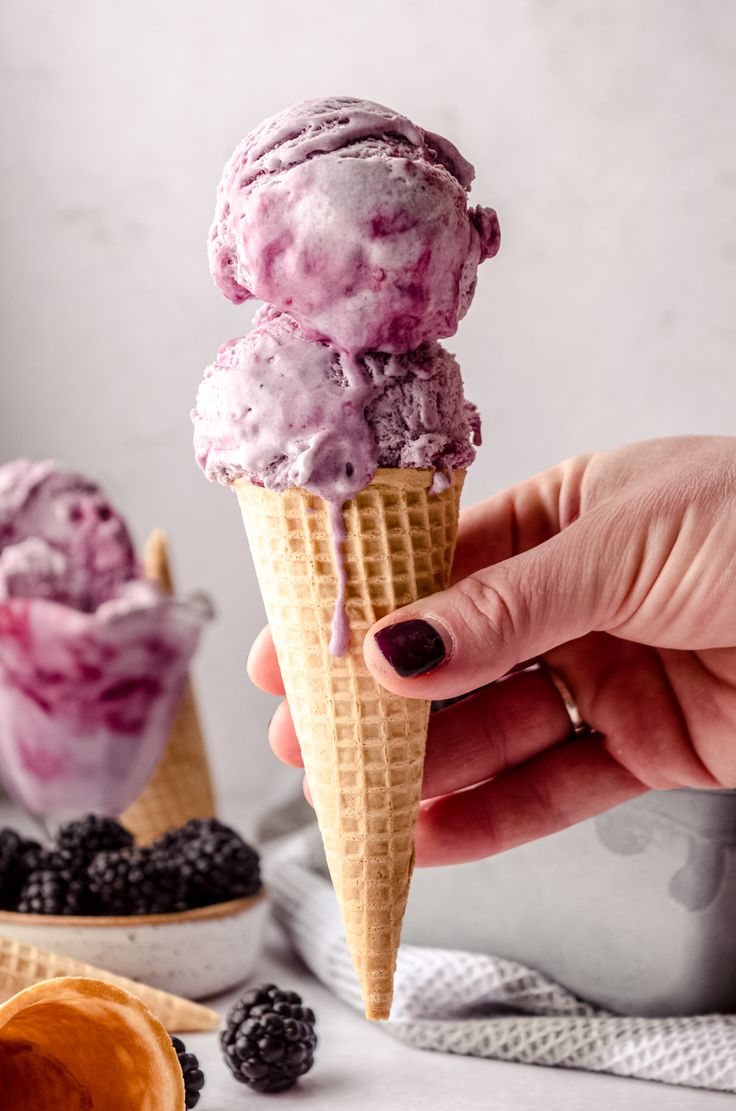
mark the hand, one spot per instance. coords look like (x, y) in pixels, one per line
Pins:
(619, 568)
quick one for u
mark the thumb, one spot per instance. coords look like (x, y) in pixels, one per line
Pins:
(483, 626)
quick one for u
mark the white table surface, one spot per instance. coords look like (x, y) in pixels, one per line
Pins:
(358, 1066)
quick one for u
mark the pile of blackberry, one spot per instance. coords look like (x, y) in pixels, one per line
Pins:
(93, 868)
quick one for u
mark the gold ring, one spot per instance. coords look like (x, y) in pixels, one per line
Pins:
(578, 726)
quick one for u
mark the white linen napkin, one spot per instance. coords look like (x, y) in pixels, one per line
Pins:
(484, 1006)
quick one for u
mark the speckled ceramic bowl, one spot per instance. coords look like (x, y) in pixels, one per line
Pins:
(194, 953)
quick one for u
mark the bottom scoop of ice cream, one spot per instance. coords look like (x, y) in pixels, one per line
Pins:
(283, 410)
(59, 537)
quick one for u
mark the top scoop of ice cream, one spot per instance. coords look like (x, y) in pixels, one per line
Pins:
(353, 220)
(60, 538)
(282, 410)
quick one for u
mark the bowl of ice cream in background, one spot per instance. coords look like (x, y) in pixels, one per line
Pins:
(93, 655)
(98, 721)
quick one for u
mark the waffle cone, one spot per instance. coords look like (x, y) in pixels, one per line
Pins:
(74, 1044)
(181, 786)
(22, 965)
(363, 746)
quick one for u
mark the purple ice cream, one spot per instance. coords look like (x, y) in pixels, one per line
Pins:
(93, 657)
(355, 221)
(59, 537)
(353, 224)
(282, 410)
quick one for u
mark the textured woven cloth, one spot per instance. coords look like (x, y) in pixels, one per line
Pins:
(484, 1006)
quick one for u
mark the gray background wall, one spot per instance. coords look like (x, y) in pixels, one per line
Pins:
(602, 131)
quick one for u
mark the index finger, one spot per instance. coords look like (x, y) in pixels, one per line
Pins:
(263, 665)
(519, 518)
(568, 783)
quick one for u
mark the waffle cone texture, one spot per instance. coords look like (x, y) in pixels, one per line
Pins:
(22, 965)
(363, 746)
(181, 785)
(78, 1044)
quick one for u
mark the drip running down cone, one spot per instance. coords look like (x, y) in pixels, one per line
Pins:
(181, 785)
(363, 747)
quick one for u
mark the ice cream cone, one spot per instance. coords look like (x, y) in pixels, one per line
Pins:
(181, 786)
(74, 1044)
(22, 965)
(363, 747)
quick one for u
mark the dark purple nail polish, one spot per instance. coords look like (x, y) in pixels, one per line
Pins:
(411, 647)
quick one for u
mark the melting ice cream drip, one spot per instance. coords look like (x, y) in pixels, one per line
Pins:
(340, 639)
(359, 387)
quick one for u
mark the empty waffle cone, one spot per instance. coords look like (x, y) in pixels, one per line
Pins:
(363, 746)
(79, 1044)
(23, 965)
(181, 786)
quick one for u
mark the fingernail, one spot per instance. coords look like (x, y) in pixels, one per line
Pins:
(411, 647)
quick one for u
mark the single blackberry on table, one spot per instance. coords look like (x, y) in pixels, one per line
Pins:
(192, 1073)
(214, 859)
(269, 1039)
(82, 839)
(18, 857)
(136, 881)
(52, 887)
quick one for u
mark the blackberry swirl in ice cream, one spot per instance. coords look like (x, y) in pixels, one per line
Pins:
(353, 220)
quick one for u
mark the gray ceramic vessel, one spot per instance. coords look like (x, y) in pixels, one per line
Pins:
(634, 910)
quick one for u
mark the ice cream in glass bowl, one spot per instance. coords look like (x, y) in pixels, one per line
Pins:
(93, 656)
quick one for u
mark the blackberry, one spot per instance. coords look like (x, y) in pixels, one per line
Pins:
(192, 1073)
(136, 881)
(269, 1039)
(52, 887)
(17, 858)
(215, 861)
(82, 839)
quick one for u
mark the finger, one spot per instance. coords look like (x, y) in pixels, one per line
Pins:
(282, 737)
(518, 519)
(263, 665)
(499, 726)
(467, 743)
(622, 691)
(565, 785)
(484, 625)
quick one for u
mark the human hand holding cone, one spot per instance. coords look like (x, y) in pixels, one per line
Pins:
(363, 747)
